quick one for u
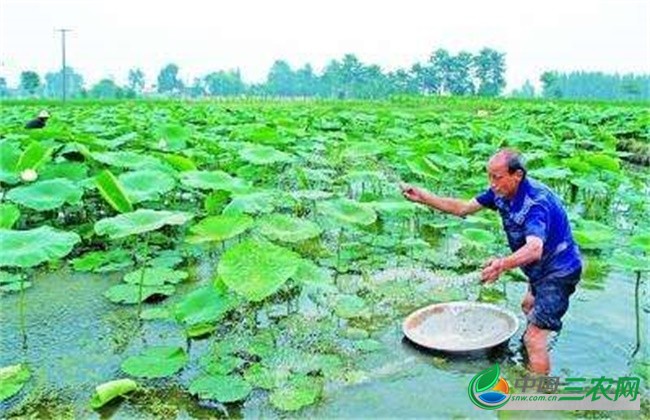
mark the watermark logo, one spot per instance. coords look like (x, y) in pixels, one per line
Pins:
(488, 390)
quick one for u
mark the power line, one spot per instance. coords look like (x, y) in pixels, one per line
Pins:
(63, 68)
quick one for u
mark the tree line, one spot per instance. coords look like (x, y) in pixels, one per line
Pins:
(462, 74)
(443, 73)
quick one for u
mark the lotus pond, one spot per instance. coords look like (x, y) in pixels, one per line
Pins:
(255, 258)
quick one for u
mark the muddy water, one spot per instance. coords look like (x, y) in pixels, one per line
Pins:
(73, 338)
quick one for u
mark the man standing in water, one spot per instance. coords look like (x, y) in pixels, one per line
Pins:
(541, 241)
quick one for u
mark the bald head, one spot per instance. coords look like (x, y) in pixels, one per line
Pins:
(510, 159)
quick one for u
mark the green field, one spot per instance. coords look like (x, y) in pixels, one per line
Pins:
(236, 252)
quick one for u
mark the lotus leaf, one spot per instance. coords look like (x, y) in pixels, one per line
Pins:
(19, 250)
(221, 388)
(12, 380)
(348, 211)
(9, 215)
(219, 228)
(298, 392)
(146, 185)
(113, 192)
(204, 305)
(111, 390)
(156, 362)
(46, 195)
(263, 155)
(140, 221)
(155, 276)
(287, 228)
(215, 180)
(255, 269)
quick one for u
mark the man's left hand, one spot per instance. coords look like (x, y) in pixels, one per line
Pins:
(492, 270)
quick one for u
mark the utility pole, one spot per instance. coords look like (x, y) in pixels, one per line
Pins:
(63, 78)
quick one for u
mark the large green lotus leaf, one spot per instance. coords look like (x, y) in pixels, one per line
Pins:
(219, 228)
(173, 137)
(298, 392)
(155, 276)
(34, 156)
(310, 273)
(221, 388)
(204, 305)
(251, 203)
(399, 208)
(113, 192)
(156, 362)
(9, 155)
(9, 215)
(350, 306)
(12, 380)
(424, 167)
(74, 171)
(46, 195)
(180, 163)
(27, 248)
(139, 221)
(625, 261)
(255, 269)
(266, 378)
(129, 293)
(129, 160)
(145, 185)
(285, 228)
(215, 180)
(313, 195)
(110, 390)
(258, 154)
(348, 211)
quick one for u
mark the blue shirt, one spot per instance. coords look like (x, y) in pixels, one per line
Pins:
(536, 211)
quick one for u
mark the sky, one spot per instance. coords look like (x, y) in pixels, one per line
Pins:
(109, 37)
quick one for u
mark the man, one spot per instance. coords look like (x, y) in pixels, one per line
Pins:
(39, 121)
(540, 238)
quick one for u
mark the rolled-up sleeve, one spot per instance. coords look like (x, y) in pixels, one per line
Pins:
(486, 199)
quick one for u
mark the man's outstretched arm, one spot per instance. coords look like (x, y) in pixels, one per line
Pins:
(454, 206)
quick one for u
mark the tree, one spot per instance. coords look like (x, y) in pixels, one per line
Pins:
(54, 81)
(4, 90)
(437, 77)
(490, 69)
(306, 81)
(280, 80)
(550, 85)
(30, 81)
(136, 80)
(526, 91)
(106, 89)
(168, 81)
(458, 78)
(224, 83)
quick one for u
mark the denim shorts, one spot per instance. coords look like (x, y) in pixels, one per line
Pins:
(552, 300)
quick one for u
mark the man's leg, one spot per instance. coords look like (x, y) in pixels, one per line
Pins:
(528, 302)
(536, 342)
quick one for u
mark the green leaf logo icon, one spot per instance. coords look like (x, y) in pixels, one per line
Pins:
(487, 378)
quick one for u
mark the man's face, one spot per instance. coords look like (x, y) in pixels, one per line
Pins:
(503, 183)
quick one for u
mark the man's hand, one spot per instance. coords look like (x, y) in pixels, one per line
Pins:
(492, 270)
(412, 193)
